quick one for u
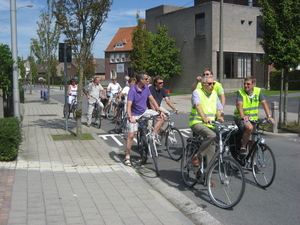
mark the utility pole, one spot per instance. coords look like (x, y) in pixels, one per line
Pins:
(221, 66)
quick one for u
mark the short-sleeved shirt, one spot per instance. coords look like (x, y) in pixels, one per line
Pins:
(138, 99)
(158, 94)
(125, 91)
(239, 97)
(196, 99)
(114, 88)
(94, 90)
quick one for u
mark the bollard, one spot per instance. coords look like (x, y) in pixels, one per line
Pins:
(45, 95)
(275, 116)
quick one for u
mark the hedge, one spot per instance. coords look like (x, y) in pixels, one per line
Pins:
(293, 77)
(10, 138)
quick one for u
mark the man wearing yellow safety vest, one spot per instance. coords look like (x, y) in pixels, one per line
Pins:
(217, 87)
(247, 102)
(206, 107)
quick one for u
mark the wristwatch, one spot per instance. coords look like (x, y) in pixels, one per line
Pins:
(269, 116)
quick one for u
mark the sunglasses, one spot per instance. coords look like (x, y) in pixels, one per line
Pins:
(207, 74)
(247, 83)
(160, 82)
(146, 79)
(210, 83)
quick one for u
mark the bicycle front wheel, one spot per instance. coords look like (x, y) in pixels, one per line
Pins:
(142, 147)
(174, 144)
(188, 171)
(111, 111)
(263, 165)
(74, 109)
(229, 183)
(118, 122)
(152, 148)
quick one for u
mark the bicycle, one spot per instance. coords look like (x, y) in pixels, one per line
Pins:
(96, 117)
(146, 142)
(260, 158)
(73, 108)
(174, 141)
(110, 112)
(226, 174)
(121, 119)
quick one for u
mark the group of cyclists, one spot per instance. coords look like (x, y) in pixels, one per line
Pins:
(143, 98)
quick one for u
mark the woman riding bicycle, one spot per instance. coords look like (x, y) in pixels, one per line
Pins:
(72, 92)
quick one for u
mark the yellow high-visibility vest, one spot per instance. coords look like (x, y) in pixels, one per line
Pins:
(209, 106)
(250, 107)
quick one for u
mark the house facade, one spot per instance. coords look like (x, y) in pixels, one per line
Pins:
(117, 55)
(196, 32)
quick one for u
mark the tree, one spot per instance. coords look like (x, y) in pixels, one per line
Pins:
(33, 71)
(80, 22)
(163, 55)
(140, 47)
(89, 68)
(281, 38)
(49, 33)
(6, 64)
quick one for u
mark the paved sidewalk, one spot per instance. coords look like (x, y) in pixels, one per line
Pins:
(74, 182)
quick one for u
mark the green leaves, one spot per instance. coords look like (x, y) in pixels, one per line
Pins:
(281, 32)
(155, 53)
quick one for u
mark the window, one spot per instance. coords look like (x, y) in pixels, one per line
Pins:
(123, 57)
(200, 24)
(119, 45)
(228, 65)
(117, 58)
(244, 65)
(113, 73)
(112, 58)
(258, 29)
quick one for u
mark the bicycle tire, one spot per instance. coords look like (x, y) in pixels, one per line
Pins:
(152, 148)
(188, 171)
(263, 165)
(229, 183)
(65, 112)
(142, 147)
(110, 114)
(118, 122)
(174, 143)
(124, 126)
(74, 109)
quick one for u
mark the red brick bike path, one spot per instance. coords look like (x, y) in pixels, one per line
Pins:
(6, 187)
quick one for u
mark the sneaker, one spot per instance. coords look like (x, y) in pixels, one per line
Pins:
(88, 125)
(243, 151)
(127, 161)
(196, 161)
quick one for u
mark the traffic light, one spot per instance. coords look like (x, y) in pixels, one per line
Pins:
(61, 50)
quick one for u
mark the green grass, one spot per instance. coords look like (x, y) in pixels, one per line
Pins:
(291, 127)
(70, 137)
(275, 92)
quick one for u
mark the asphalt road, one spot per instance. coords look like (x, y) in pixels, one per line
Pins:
(278, 204)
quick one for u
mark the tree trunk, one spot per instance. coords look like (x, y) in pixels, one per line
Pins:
(280, 99)
(286, 89)
(79, 103)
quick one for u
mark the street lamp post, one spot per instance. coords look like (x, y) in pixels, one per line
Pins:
(13, 25)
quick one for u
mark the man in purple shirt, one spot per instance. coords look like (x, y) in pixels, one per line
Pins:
(137, 107)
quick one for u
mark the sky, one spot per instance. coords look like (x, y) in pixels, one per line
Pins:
(122, 14)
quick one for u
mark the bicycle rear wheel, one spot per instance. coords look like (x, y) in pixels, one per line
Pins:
(152, 148)
(229, 180)
(174, 144)
(188, 171)
(263, 166)
(111, 111)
